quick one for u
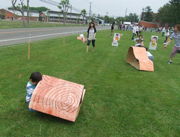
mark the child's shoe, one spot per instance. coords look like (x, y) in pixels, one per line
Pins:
(170, 62)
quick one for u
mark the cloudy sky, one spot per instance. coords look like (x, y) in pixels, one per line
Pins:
(112, 7)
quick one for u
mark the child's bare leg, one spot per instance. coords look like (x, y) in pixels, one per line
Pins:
(173, 54)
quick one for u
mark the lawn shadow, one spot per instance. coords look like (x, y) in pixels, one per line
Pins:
(49, 118)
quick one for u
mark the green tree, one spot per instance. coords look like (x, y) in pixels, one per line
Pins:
(39, 9)
(109, 19)
(169, 13)
(64, 6)
(147, 14)
(164, 15)
(132, 17)
(19, 6)
(120, 20)
(175, 7)
(83, 13)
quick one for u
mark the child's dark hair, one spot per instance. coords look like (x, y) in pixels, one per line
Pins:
(94, 26)
(178, 27)
(36, 77)
(155, 38)
(139, 40)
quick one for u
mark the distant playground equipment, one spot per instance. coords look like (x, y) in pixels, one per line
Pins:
(82, 38)
(116, 38)
(138, 58)
(153, 43)
(58, 98)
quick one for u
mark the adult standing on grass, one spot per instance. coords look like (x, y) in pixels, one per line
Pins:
(176, 37)
(134, 32)
(167, 34)
(112, 28)
(91, 35)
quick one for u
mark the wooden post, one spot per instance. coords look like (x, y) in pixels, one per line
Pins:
(29, 47)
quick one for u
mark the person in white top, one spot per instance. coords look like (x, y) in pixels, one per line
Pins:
(163, 31)
(91, 35)
(137, 30)
(134, 31)
(167, 35)
(150, 56)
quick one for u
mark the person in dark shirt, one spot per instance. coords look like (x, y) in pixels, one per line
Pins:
(112, 28)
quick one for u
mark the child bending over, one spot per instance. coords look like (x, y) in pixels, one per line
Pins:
(34, 79)
(139, 42)
(150, 56)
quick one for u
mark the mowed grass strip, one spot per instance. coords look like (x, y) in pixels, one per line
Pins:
(120, 101)
(19, 24)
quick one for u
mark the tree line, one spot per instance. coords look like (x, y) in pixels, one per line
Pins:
(168, 14)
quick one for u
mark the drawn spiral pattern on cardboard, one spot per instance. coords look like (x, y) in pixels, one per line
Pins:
(58, 98)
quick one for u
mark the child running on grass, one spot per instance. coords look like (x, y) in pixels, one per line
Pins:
(34, 79)
(134, 30)
(176, 48)
(91, 35)
(167, 34)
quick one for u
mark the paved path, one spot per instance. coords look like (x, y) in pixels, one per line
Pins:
(22, 35)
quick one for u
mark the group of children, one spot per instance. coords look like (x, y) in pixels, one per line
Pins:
(137, 30)
(36, 77)
(169, 37)
(140, 43)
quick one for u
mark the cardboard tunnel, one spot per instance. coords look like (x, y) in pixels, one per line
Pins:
(137, 57)
(58, 98)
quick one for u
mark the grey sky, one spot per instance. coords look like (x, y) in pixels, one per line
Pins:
(112, 7)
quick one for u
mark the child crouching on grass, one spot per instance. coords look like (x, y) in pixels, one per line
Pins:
(176, 37)
(139, 42)
(150, 56)
(34, 79)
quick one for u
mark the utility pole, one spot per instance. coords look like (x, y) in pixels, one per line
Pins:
(90, 10)
(126, 12)
(28, 11)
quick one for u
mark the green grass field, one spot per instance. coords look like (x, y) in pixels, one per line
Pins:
(18, 24)
(120, 101)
